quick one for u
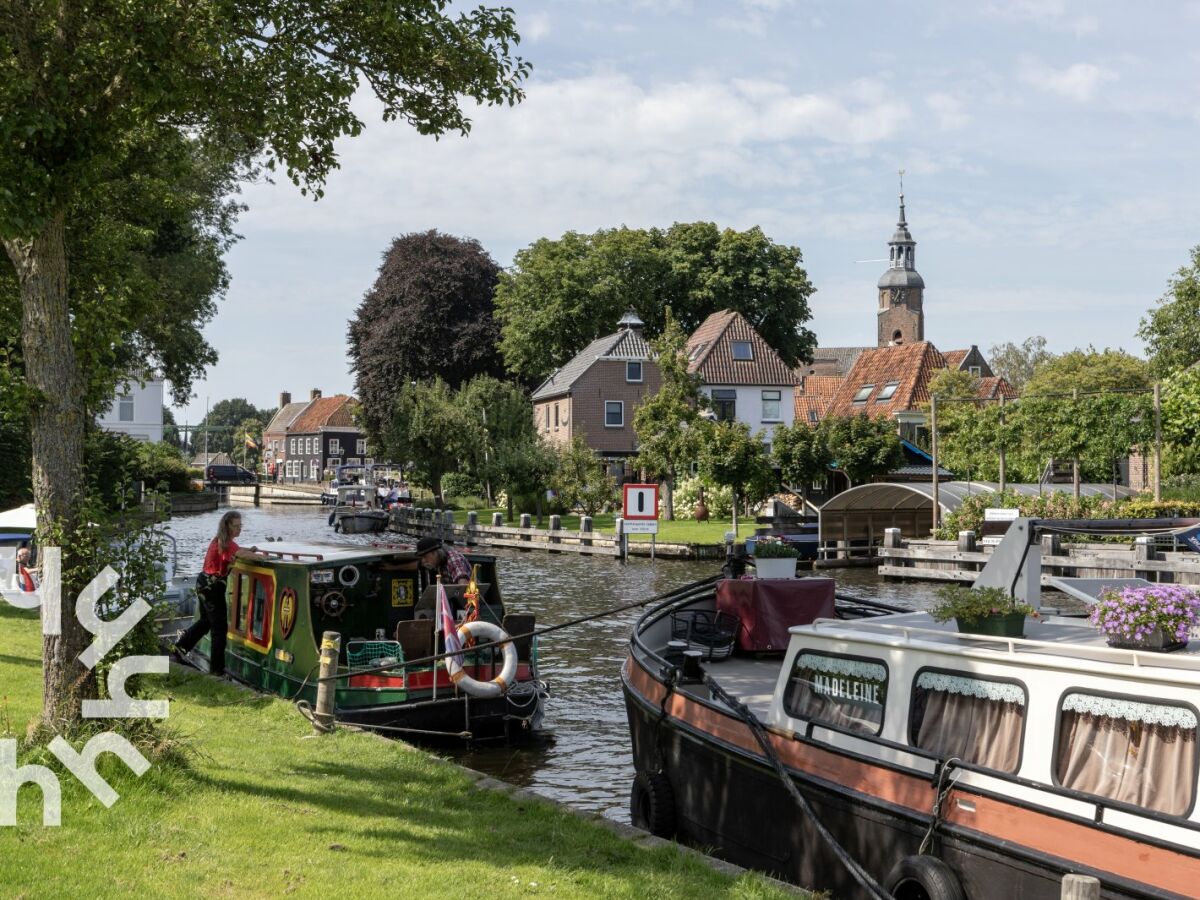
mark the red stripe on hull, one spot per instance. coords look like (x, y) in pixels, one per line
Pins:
(423, 681)
(1043, 834)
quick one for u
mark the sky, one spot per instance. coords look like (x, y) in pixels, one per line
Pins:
(1049, 148)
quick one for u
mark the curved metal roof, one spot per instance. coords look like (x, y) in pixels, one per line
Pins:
(951, 494)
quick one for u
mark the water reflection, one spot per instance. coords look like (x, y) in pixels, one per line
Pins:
(588, 763)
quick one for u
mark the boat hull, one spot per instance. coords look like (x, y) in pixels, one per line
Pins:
(361, 523)
(728, 799)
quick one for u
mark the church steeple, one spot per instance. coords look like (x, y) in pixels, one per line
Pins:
(901, 289)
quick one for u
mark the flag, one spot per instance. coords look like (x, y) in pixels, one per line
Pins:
(250, 445)
(445, 623)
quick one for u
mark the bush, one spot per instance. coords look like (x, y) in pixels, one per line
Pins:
(774, 550)
(459, 484)
(162, 465)
(719, 500)
(956, 601)
(1052, 505)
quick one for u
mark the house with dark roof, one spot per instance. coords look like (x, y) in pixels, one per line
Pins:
(274, 453)
(595, 394)
(969, 360)
(741, 373)
(323, 435)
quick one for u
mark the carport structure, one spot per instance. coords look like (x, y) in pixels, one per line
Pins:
(856, 518)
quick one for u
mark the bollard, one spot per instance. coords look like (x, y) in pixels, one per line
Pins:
(622, 546)
(1051, 545)
(1143, 552)
(1080, 887)
(966, 542)
(331, 643)
(526, 523)
(497, 519)
(891, 538)
(471, 531)
(472, 519)
(585, 527)
(448, 523)
(555, 526)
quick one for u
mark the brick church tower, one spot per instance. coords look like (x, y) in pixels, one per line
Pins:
(901, 290)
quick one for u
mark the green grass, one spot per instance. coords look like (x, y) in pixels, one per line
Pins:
(264, 809)
(683, 531)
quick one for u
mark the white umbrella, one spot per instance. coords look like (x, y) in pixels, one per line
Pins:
(22, 518)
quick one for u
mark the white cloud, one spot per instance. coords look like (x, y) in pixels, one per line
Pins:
(534, 27)
(1078, 82)
(949, 111)
(1056, 14)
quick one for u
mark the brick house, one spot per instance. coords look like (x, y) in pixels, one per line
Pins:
(275, 434)
(595, 394)
(741, 373)
(323, 435)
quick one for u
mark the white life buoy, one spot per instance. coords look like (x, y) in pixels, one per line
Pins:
(498, 686)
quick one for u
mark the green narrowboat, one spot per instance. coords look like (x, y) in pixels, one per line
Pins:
(283, 596)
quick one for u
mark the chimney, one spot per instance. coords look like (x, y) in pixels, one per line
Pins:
(285, 397)
(314, 394)
(631, 322)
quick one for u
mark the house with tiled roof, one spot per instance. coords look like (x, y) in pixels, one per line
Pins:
(743, 376)
(814, 393)
(833, 361)
(595, 394)
(890, 382)
(275, 434)
(322, 436)
(969, 360)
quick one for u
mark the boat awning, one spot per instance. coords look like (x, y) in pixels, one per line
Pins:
(23, 518)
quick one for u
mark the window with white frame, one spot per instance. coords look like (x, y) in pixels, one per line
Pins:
(125, 409)
(741, 350)
(335, 447)
(633, 370)
(977, 371)
(360, 447)
(293, 447)
(614, 413)
(770, 405)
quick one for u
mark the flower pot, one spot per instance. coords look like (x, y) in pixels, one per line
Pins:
(1006, 625)
(782, 567)
(1157, 641)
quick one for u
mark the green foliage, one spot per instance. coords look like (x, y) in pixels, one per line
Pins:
(1056, 504)
(1167, 508)
(228, 422)
(717, 497)
(730, 455)
(801, 454)
(1171, 330)
(580, 479)
(1089, 371)
(1182, 487)
(1018, 363)
(1181, 419)
(774, 550)
(562, 294)
(508, 453)
(956, 601)
(430, 428)
(862, 448)
(460, 485)
(163, 468)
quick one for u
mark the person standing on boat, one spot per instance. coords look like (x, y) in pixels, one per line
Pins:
(210, 587)
(444, 561)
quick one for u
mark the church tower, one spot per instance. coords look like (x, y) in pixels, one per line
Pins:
(901, 289)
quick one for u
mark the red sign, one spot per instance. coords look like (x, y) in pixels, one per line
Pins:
(640, 501)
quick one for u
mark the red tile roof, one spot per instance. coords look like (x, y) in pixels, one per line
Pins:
(710, 353)
(996, 386)
(813, 395)
(324, 412)
(954, 358)
(910, 367)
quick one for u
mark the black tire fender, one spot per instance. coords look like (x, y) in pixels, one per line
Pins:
(923, 878)
(652, 804)
(332, 515)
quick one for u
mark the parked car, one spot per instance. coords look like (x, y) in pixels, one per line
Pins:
(229, 475)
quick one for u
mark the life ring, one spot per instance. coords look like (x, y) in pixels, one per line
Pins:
(652, 804)
(498, 686)
(923, 877)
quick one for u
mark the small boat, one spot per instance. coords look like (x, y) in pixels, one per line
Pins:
(282, 597)
(354, 511)
(889, 755)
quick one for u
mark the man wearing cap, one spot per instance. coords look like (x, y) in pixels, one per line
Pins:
(445, 561)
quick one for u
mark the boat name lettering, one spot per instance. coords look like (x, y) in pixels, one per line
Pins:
(845, 688)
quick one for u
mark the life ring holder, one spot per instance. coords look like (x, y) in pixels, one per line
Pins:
(498, 686)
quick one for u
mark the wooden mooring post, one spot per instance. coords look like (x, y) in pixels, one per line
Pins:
(331, 645)
(1080, 887)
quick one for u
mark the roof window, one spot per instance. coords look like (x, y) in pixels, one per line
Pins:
(887, 391)
(863, 393)
(741, 350)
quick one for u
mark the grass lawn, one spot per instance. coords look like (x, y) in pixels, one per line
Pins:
(683, 531)
(264, 809)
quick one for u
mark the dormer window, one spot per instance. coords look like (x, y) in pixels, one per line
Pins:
(741, 350)
(863, 393)
(887, 391)
(633, 370)
(977, 371)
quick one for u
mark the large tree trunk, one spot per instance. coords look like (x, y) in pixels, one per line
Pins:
(56, 425)
(668, 512)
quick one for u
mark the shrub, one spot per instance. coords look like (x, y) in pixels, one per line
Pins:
(719, 500)
(956, 601)
(459, 484)
(774, 550)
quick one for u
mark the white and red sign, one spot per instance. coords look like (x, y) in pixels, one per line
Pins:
(640, 502)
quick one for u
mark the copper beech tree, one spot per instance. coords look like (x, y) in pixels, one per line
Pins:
(84, 84)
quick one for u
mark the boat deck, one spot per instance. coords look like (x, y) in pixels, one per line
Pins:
(750, 680)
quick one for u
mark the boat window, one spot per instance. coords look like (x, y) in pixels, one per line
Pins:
(259, 618)
(242, 594)
(978, 720)
(1128, 750)
(849, 692)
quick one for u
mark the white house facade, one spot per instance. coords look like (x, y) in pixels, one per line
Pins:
(137, 411)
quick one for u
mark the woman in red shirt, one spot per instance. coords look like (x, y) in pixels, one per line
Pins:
(210, 588)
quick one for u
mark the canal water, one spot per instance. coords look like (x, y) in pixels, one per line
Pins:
(587, 763)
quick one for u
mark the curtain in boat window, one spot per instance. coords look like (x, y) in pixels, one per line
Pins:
(973, 719)
(1127, 750)
(837, 690)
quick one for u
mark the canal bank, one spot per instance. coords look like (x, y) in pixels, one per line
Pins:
(588, 764)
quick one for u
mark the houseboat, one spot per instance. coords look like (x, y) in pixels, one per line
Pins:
(282, 597)
(354, 510)
(926, 763)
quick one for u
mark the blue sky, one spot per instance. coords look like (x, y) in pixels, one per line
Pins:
(1050, 146)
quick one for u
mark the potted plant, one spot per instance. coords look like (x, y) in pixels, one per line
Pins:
(1158, 617)
(988, 610)
(775, 559)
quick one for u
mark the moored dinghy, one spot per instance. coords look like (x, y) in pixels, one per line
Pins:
(283, 596)
(942, 764)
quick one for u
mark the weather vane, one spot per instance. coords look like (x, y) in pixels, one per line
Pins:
(901, 182)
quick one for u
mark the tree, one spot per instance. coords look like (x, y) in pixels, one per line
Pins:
(801, 455)
(730, 455)
(1018, 363)
(1089, 371)
(1181, 417)
(430, 429)
(428, 315)
(222, 423)
(580, 479)
(665, 421)
(1171, 330)
(862, 448)
(562, 294)
(82, 90)
(502, 458)
(247, 440)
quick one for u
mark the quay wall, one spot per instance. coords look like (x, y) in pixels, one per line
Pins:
(270, 494)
